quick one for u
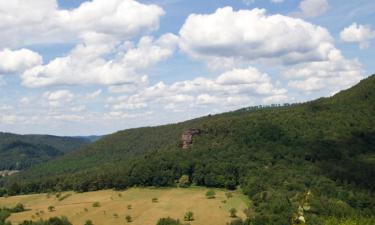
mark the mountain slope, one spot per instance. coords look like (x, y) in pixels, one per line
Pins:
(18, 152)
(348, 113)
(275, 154)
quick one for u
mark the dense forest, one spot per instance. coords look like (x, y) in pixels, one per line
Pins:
(18, 152)
(314, 161)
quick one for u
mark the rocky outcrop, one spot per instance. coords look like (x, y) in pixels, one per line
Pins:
(187, 137)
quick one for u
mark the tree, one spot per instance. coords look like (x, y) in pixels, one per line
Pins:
(96, 204)
(89, 222)
(233, 212)
(168, 221)
(129, 219)
(210, 194)
(184, 181)
(51, 208)
(189, 216)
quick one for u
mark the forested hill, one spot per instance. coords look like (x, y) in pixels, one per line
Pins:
(18, 152)
(275, 154)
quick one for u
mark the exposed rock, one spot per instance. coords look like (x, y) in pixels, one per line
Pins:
(187, 137)
(5, 173)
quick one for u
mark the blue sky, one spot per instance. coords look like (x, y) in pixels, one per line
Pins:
(73, 67)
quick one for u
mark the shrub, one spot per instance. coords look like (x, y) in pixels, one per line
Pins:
(130, 207)
(210, 194)
(62, 198)
(184, 181)
(51, 208)
(228, 195)
(189, 216)
(168, 221)
(88, 222)
(155, 200)
(233, 212)
(129, 219)
(96, 204)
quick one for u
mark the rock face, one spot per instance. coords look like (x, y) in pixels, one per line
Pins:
(187, 137)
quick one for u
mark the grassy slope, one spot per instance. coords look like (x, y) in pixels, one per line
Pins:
(336, 119)
(171, 202)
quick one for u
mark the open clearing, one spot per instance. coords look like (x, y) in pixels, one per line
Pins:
(173, 202)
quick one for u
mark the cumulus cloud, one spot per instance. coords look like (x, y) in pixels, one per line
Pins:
(24, 22)
(58, 98)
(361, 34)
(313, 8)
(88, 63)
(232, 89)
(229, 36)
(332, 75)
(18, 60)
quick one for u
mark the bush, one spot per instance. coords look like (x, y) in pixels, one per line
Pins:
(233, 212)
(130, 207)
(96, 204)
(210, 194)
(168, 221)
(189, 216)
(129, 219)
(88, 222)
(228, 194)
(184, 181)
(155, 200)
(51, 208)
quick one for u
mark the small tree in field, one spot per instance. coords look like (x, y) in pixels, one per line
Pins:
(233, 212)
(51, 208)
(189, 216)
(129, 219)
(96, 204)
(168, 221)
(184, 181)
(88, 222)
(210, 194)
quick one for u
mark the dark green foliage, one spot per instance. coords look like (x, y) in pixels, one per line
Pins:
(233, 212)
(88, 222)
(51, 221)
(18, 152)
(168, 221)
(240, 222)
(189, 216)
(96, 204)
(275, 154)
(128, 219)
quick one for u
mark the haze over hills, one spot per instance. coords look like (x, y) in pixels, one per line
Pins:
(275, 154)
(18, 152)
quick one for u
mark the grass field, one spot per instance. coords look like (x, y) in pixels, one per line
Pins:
(174, 202)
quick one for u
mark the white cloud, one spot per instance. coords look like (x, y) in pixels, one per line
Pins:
(332, 75)
(313, 8)
(58, 98)
(24, 22)
(88, 63)
(277, 1)
(228, 36)
(232, 89)
(361, 34)
(18, 60)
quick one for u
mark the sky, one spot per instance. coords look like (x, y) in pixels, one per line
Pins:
(79, 67)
